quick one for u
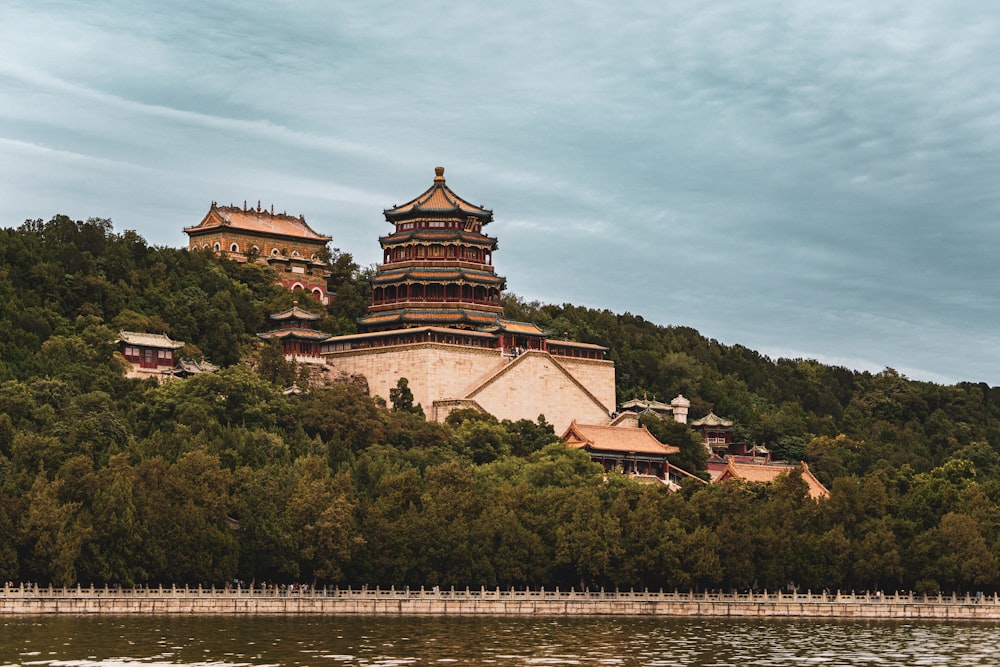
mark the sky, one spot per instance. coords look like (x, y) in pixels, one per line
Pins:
(807, 179)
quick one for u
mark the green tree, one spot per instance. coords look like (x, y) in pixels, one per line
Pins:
(53, 533)
(693, 455)
(402, 398)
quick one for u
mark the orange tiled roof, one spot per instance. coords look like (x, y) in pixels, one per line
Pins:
(768, 472)
(256, 221)
(311, 334)
(615, 439)
(438, 199)
(511, 326)
(559, 342)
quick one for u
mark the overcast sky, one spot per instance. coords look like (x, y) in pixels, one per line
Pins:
(808, 179)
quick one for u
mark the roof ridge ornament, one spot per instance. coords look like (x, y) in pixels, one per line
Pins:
(439, 174)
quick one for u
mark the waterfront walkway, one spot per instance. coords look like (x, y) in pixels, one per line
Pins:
(211, 600)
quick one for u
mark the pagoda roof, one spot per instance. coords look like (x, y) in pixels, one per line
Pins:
(559, 342)
(305, 334)
(768, 472)
(427, 273)
(440, 235)
(257, 221)
(409, 331)
(644, 404)
(623, 439)
(194, 367)
(160, 341)
(437, 201)
(503, 325)
(711, 419)
(295, 313)
(429, 316)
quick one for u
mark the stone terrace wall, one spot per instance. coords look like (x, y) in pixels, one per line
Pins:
(16, 601)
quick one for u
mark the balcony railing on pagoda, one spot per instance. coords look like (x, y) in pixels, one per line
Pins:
(418, 301)
(424, 261)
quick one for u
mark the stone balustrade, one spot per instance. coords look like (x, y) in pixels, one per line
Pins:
(26, 599)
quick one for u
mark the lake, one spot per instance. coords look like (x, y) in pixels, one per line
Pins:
(102, 641)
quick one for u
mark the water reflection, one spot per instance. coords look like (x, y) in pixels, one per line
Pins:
(387, 641)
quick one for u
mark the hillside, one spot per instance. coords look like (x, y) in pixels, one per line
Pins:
(223, 476)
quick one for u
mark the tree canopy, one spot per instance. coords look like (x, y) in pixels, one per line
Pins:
(223, 475)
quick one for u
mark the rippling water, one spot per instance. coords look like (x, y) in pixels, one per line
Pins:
(385, 641)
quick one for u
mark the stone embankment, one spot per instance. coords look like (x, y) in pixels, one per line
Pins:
(173, 600)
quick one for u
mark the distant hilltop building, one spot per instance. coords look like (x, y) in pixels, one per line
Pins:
(676, 409)
(769, 472)
(436, 320)
(294, 329)
(154, 355)
(628, 448)
(437, 265)
(284, 242)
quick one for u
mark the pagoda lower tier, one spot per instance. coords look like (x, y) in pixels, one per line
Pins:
(439, 295)
(423, 313)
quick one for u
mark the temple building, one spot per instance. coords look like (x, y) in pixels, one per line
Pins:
(437, 265)
(284, 242)
(718, 435)
(294, 328)
(768, 472)
(152, 355)
(676, 409)
(436, 320)
(628, 448)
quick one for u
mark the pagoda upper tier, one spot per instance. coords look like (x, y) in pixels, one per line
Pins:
(437, 265)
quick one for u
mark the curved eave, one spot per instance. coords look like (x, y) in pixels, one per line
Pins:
(295, 313)
(303, 334)
(397, 216)
(443, 235)
(219, 217)
(425, 316)
(437, 200)
(318, 240)
(451, 275)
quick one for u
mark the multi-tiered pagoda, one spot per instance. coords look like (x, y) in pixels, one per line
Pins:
(437, 265)
(436, 320)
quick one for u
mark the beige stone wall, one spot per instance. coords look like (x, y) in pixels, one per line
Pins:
(534, 384)
(530, 385)
(597, 376)
(434, 371)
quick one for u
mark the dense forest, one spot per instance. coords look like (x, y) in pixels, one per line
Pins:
(224, 475)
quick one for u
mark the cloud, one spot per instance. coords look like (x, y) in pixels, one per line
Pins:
(809, 177)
